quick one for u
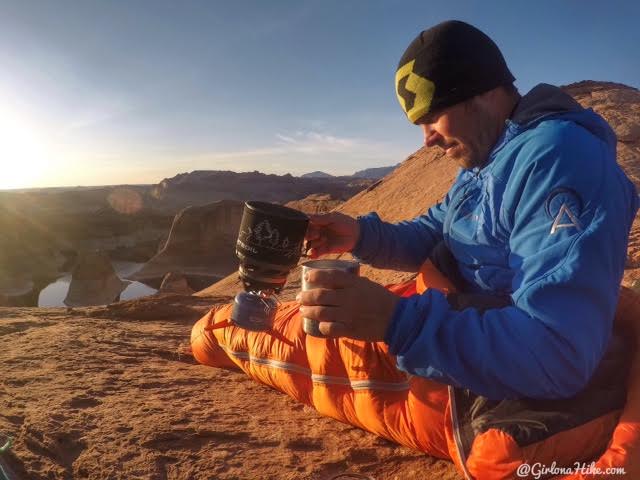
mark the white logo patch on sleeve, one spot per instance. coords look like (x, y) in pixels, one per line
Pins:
(564, 206)
(565, 219)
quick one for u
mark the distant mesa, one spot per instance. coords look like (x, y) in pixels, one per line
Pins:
(317, 174)
(94, 281)
(375, 173)
(202, 187)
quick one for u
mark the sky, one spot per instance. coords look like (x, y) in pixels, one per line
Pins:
(130, 92)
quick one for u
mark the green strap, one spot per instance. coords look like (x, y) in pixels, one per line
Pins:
(7, 445)
(5, 448)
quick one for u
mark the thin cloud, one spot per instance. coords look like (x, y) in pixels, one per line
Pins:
(317, 142)
(300, 142)
(285, 138)
(302, 151)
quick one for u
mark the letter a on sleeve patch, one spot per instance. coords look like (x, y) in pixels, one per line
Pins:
(564, 206)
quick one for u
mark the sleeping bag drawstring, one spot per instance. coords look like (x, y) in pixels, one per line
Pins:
(4, 449)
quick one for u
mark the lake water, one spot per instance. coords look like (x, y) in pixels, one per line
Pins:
(53, 295)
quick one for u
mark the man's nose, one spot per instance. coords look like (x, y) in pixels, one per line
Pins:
(431, 137)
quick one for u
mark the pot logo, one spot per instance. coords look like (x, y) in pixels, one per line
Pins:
(266, 235)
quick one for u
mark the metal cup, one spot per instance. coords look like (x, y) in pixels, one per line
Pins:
(308, 325)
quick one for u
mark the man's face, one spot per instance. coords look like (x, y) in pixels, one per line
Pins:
(466, 132)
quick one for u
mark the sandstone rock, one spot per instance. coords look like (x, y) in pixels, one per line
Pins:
(94, 281)
(201, 243)
(202, 187)
(316, 203)
(175, 283)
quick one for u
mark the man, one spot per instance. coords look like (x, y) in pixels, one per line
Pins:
(533, 233)
(517, 367)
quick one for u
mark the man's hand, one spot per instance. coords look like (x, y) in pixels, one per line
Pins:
(331, 233)
(347, 305)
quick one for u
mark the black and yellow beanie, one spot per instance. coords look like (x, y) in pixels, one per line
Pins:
(447, 64)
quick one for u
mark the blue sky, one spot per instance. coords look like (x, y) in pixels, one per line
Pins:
(114, 91)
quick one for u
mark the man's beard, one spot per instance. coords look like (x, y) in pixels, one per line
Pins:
(466, 157)
(475, 151)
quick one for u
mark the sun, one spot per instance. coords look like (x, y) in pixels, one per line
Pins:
(23, 152)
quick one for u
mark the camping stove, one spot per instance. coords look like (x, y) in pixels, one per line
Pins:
(269, 246)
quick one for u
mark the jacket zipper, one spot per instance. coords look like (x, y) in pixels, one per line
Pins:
(456, 433)
(456, 203)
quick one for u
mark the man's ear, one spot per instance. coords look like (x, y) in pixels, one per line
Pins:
(485, 101)
(489, 97)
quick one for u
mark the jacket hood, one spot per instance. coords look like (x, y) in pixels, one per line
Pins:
(545, 102)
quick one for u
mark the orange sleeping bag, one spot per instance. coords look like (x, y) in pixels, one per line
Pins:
(358, 383)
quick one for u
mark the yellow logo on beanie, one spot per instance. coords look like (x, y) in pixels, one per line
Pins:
(414, 92)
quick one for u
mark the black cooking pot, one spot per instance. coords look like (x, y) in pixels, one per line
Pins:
(269, 244)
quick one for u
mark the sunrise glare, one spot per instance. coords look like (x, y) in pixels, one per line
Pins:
(26, 153)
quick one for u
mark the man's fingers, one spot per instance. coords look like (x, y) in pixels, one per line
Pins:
(312, 232)
(320, 296)
(333, 329)
(315, 252)
(330, 278)
(320, 219)
(320, 313)
(328, 319)
(316, 242)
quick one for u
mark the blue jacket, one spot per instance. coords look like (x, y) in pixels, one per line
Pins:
(546, 220)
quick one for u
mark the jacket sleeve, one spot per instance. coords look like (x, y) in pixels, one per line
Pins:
(400, 246)
(565, 287)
